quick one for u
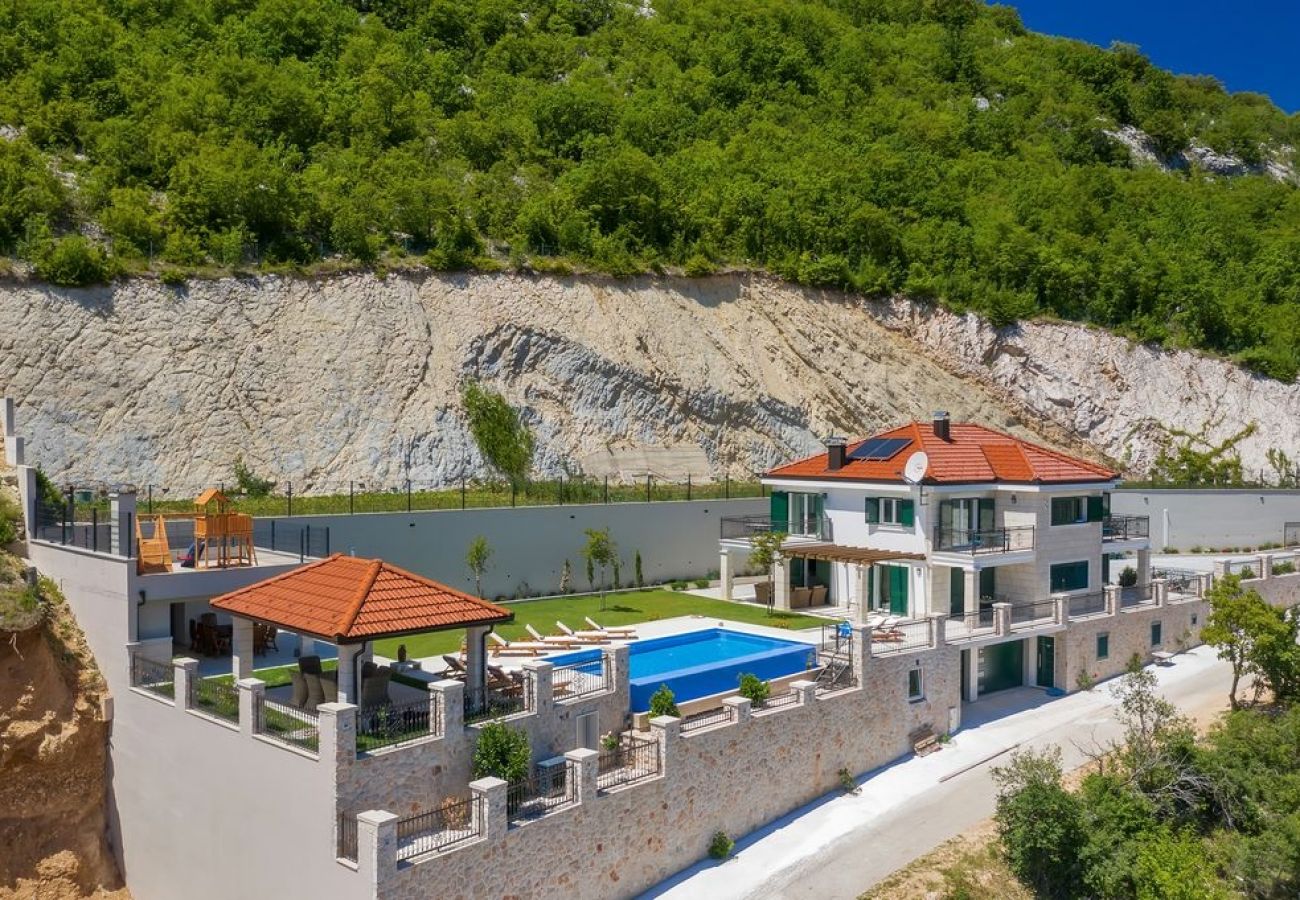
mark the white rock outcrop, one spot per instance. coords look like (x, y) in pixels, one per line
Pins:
(325, 381)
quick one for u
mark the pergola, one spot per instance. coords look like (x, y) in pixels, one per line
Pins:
(350, 602)
(861, 557)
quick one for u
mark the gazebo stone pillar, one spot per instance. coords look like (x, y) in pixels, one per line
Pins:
(476, 657)
(241, 647)
(726, 574)
(781, 584)
(349, 691)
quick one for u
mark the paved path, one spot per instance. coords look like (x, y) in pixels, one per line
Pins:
(841, 845)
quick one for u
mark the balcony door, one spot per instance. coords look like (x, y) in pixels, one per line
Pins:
(964, 516)
(806, 512)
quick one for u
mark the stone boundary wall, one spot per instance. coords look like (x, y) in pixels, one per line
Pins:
(734, 777)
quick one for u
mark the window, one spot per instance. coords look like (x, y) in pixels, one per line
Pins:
(1072, 576)
(915, 685)
(890, 511)
(805, 512)
(1068, 510)
(1195, 618)
(1156, 635)
(1103, 645)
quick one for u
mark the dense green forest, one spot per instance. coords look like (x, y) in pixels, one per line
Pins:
(928, 146)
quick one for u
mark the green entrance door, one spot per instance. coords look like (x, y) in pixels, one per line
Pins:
(956, 592)
(899, 582)
(1002, 666)
(1046, 661)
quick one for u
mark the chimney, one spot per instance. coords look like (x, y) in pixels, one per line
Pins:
(835, 453)
(941, 426)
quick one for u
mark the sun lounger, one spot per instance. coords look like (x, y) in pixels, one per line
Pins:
(502, 647)
(455, 668)
(554, 640)
(622, 632)
(584, 637)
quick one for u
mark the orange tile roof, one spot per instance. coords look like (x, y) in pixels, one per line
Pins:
(972, 454)
(348, 598)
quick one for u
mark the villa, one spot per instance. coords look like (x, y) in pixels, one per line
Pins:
(260, 744)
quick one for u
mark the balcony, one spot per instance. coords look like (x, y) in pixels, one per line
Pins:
(977, 543)
(1125, 528)
(745, 527)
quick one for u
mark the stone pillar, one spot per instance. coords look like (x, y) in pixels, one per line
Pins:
(450, 696)
(1062, 614)
(337, 737)
(377, 851)
(241, 649)
(1112, 592)
(938, 637)
(861, 652)
(726, 574)
(476, 657)
(186, 670)
(1001, 618)
(542, 674)
(306, 645)
(252, 691)
(7, 418)
(1159, 591)
(971, 591)
(667, 730)
(863, 608)
(617, 657)
(492, 817)
(1265, 566)
(1144, 566)
(28, 495)
(1220, 570)
(741, 708)
(972, 658)
(586, 766)
(121, 517)
(781, 584)
(806, 691)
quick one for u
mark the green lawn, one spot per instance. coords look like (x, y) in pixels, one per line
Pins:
(625, 608)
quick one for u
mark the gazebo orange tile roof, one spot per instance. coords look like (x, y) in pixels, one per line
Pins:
(972, 454)
(347, 599)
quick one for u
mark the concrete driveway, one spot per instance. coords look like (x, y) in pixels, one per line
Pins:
(841, 845)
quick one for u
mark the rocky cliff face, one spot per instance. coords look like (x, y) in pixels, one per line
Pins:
(352, 377)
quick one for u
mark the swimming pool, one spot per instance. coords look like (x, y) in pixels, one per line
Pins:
(700, 663)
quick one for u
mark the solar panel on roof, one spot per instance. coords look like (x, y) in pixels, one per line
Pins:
(877, 449)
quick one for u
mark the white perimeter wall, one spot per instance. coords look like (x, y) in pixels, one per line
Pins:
(677, 539)
(1210, 518)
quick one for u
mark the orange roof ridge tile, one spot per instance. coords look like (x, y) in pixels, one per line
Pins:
(363, 591)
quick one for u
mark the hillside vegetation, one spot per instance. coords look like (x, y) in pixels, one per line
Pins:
(926, 146)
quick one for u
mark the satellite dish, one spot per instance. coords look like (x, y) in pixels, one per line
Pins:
(915, 468)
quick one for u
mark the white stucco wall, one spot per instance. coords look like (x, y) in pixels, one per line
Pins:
(1210, 518)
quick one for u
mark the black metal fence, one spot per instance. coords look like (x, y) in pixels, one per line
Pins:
(452, 823)
(993, 540)
(1181, 584)
(484, 703)
(900, 637)
(1136, 595)
(1125, 528)
(776, 701)
(82, 524)
(306, 541)
(153, 676)
(976, 620)
(290, 725)
(633, 760)
(709, 718)
(541, 793)
(582, 679)
(393, 723)
(1036, 611)
(1087, 604)
(217, 698)
(745, 527)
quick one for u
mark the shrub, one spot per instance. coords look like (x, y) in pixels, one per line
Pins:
(678, 585)
(720, 846)
(502, 752)
(754, 689)
(609, 741)
(250, 485)
(1085, 681)
(701, 583)
(1247, 573)
(1040, 823)
(664, 703)
(1285, 568)
(1197, 549)
(636, 566)
(72, 261)
(1128, 577)
(698, 265)
(848, 783)
(9, 516)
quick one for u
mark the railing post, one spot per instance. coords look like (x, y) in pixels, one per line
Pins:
(726, 486)
(647, 489)
(1159, 591)
(542, 674)
(490, 814)
(336, 725)
(667, 730)
(1266, 566)
(1112, 592)
(252, 693)
(462, 492)
(376, 850)
(1001, 618)
(513, 489)
(94, 528)
(937, 636)
(607, 489)
(586, 767)
(288, 497)
(1062, 609)
(806, 691)
(184, 670)
(688, 485)
(860, 651)
(741, 708)
(352, 507)
(451, 697)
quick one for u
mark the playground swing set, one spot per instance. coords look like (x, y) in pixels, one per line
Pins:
(222, 538)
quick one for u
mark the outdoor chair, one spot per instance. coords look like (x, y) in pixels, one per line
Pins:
(508, 683)
(315, 692)
(800, 597)
(583, 637)
(818, 597)
(299, 683)
(622, 632)
(763, 593)
(329, 685)
(309, 665)
(374, 685)
(555, 640)
(195, 646)
(455, 668)
(502, 647)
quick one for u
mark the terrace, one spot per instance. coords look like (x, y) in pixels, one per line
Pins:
(1125, 528)
(968, 542)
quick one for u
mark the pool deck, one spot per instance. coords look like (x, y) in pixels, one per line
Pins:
(644, 630)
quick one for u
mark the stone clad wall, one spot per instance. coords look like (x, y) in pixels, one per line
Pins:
(735, 777)
(1130, 633)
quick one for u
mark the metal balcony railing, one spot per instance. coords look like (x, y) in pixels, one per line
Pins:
(993, 540)
(1125, 528)
(743, 527)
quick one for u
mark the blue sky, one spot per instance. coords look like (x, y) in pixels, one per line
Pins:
(1249, 45)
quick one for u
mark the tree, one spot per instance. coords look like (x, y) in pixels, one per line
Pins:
(499, 432)
(1039, 822)
(663, 703)
(476, 557)
(636, 566)
(600, 553)
(502, 752)
(1238, 621)
(248, 483)
(766, 553)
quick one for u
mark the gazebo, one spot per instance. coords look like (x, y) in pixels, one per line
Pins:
(351, 602)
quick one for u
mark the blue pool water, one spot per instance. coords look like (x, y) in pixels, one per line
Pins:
(700, 663)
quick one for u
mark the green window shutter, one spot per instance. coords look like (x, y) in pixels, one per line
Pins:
(986, 515)
(1062, 510)
(906, 514)
(988, 583)
(1103, 645)
(873, 510)
(1096, 509)
(871, 588)
(780, 508)
(956, 591)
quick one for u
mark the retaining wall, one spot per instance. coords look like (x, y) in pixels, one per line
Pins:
(1182, 519)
